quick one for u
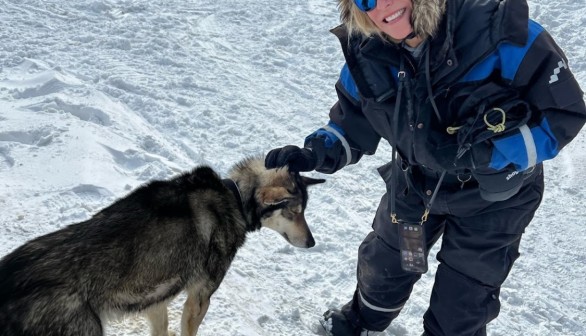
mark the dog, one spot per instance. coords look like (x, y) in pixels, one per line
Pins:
(137, 254)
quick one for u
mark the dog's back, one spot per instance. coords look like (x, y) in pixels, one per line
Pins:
(142, 250)
(39, 292)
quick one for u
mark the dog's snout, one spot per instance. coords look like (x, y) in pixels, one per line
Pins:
(300, 239)
(308, 242)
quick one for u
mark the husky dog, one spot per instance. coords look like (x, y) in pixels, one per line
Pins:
(140, 252)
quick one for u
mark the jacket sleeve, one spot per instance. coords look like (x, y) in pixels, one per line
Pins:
(348, 134)
(539, 70)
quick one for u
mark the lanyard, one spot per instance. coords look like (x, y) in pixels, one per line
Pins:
(394, 156)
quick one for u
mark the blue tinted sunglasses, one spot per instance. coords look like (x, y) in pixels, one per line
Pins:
(365, 5)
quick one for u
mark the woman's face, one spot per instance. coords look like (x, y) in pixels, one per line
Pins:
(393, 17)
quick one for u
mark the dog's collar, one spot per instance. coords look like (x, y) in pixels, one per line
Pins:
(233, 187)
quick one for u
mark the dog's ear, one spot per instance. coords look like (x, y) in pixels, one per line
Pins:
(274, 195)
(311, 181)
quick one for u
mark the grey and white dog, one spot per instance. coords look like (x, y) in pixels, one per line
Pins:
(137, 254)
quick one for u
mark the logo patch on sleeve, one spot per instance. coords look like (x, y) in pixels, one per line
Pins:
(554, 78)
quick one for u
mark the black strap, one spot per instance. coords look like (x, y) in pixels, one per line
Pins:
(429, 89)
(394, 159)
(233, 187)
(395, 127)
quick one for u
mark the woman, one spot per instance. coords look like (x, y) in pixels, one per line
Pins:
(473, 96)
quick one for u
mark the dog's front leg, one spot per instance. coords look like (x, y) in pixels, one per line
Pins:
(158, 318)
(194, 310)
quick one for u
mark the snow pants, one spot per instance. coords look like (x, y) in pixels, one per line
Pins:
(480, 242)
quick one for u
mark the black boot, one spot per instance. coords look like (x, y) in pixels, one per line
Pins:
(336, 324)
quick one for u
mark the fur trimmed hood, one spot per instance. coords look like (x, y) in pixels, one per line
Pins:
(426, 17)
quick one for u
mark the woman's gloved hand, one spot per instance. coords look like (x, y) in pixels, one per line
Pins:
(496, 186)
(298, 159)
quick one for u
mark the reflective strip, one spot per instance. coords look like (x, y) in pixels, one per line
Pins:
(379, 309)
(529, 145)
(343, 141)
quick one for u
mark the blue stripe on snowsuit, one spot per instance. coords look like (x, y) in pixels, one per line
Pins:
(348, 82)
(508, 149)
(330, 138)
(507, 58)
(350, 86)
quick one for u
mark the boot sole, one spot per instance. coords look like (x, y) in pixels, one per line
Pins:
(324, 324)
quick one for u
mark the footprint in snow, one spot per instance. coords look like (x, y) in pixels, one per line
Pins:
(83, 112)
(37, 137)
(144, 166)
(79, 203)
(40, 84)
(6, 161)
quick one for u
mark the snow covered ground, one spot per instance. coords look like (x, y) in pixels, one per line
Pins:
(98, 97)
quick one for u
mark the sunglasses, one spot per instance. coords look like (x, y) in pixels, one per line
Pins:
(365, 5)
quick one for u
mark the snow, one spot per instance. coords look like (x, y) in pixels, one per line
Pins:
(99, 97)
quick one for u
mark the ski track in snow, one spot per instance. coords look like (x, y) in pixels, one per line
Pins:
(99, 97)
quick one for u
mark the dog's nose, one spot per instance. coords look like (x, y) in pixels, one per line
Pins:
(310, 242)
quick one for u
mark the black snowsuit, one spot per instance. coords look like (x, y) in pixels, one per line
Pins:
(486, 54)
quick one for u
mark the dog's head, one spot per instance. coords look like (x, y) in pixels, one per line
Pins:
(276, 199)
(282, 206)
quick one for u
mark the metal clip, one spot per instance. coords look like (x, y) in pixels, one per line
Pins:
(424, 217)
(394, 218)
(464, 180)
(401, 75)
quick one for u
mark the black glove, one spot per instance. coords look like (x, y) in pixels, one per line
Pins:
(498, 185)
(298, 159)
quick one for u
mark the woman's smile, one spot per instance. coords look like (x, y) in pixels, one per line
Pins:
(395, 16)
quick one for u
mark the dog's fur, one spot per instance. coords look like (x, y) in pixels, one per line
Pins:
(137, 254)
